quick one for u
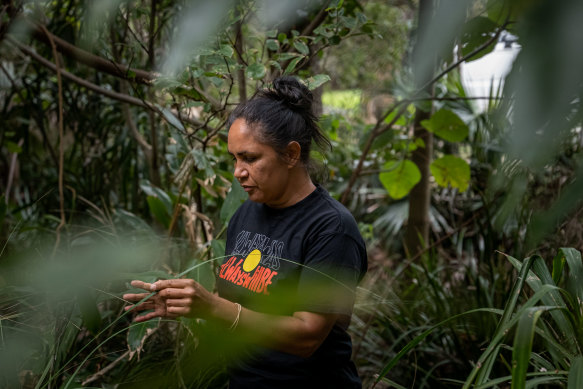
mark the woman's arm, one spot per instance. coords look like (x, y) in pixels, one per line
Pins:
(300, 334)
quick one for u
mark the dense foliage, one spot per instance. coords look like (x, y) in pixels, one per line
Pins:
(114, 166)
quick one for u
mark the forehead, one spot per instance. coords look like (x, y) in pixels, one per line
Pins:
(242, 137)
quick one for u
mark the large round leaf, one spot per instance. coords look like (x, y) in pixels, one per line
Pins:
(255, 71)
(447, 125)
(400, 178)
(450, 170)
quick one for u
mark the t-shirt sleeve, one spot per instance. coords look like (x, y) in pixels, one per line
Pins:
(330, 273)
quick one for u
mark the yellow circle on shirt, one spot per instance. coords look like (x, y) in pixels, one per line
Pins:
(252, 260)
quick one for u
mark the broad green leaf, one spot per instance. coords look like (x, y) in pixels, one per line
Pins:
(234, 199)
(317, 80)
(447, 125)
(226, 50)
(272, 44)
(255, 71)
(575, 380)
(301, 47)
(334, 40)
(281, 37)
(89, 311)
(477, 32)
(13, 147)
(157, 192)
(201, 271)
(202, 162)
(451, 170)
(218, 248)
(159, 211)
(138, 333)
(400, 178)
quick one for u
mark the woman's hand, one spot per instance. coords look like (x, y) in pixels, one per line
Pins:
(174, 298)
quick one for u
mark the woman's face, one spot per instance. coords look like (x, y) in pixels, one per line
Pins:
(258, 168)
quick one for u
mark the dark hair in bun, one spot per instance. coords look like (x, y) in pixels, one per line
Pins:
(281, 114)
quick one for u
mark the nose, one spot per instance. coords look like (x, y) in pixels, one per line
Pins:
(240, 172)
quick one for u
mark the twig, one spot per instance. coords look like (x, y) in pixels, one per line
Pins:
(106, 369)
(105, 92)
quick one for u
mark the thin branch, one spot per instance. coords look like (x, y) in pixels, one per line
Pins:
(106, 92)
(95, 61)
(106, 369)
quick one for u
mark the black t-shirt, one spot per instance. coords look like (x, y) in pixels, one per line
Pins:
(306, 257)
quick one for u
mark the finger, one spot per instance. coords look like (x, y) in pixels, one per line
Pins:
(173, 293)
(173, 283)
(178, 311)
(135, 296)
(140, 307)
(147, 316)
(185, 302)
(142, 285)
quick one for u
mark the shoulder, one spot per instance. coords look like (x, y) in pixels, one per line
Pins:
(328, 218)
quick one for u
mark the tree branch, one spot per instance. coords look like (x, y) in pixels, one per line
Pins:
(95, 61)
(105, 92)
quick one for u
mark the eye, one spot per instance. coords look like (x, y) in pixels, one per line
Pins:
(250, 159)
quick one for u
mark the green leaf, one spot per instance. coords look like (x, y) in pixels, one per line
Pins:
(523, 338)
(281, 37)
(202, 162)
(575, 380)
(226, 50)
(334, 40)
(292, 65)
(447, 125)
(159, 211)
(234, 199)
(272, 44)
(157, 192)
(13, 147)
(202, 272)
(477, 32)
(255, 71)
(89, 311)
(301, 47)
(451, 170)
(218, 247)
(271, 33)
(171, 119)
(317, 81)
(138, 333)
(400, 178)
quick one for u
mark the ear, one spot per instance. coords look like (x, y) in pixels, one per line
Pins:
(293, 152)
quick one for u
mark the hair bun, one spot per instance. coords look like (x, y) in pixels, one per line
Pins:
(293, 93)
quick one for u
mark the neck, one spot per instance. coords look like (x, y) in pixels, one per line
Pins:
(299, 187)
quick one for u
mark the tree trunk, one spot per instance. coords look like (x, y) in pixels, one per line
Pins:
(417, 233)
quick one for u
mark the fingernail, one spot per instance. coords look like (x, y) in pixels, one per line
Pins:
(153, 287)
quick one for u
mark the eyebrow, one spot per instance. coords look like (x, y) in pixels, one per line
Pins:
(239, 153)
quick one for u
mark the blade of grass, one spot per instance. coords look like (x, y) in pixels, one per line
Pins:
(423, 335)
(575, 380)
(523, 339)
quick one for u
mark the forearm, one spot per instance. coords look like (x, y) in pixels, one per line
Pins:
(300, 334)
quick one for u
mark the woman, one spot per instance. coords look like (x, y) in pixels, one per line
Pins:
(294, 255)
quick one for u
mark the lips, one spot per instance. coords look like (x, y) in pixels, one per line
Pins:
(247, 188)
